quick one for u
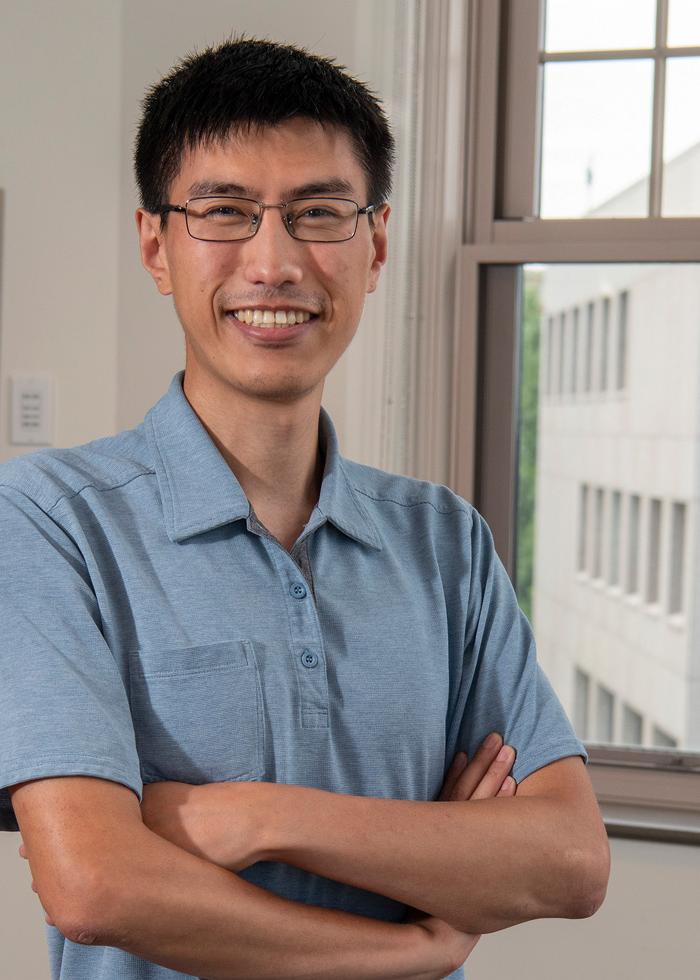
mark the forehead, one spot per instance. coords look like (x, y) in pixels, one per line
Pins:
(299, 156)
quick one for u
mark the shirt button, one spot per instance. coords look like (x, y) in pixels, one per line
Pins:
(309, 659)
(298, 590)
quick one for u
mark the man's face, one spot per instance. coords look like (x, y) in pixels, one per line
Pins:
(273, 271)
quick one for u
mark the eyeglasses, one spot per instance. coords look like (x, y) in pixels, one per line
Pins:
(233, 219)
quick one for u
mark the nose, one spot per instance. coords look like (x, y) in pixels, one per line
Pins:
(272, 257)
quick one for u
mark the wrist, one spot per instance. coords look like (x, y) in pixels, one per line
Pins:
(426, 957)
(274, 812)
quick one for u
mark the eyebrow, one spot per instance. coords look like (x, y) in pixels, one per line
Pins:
(330, 186)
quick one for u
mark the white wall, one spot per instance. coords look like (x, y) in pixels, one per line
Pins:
(646, 929)
(59, 171)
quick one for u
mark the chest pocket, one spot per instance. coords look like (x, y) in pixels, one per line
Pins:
(198, 713)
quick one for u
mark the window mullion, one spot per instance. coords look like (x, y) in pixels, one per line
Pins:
(657, 133)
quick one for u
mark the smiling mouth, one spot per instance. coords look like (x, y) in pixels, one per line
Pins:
(272, 318)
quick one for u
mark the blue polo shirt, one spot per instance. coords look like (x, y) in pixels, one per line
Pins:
(153, 629)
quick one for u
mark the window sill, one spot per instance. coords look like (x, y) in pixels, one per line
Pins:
(649, 794)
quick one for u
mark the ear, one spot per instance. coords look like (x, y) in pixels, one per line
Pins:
(380, 245)
(153, 251)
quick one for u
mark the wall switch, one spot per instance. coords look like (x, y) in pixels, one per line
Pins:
(31, 418)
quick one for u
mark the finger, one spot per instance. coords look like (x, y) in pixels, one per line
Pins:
(474, 772)
(453, 773)
(508, 788)
(22, 851)
(493, 779)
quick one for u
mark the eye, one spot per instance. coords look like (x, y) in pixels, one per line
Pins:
(317, 212)
(223, 211)
(320, 211)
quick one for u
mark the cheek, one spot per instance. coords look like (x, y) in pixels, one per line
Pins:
(346, 277)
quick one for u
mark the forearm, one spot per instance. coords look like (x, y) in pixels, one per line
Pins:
(175, 909)
(480, 865)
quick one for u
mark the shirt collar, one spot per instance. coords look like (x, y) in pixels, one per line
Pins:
(199, 491)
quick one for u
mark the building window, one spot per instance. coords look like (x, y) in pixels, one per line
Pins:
(631, 726)
(677, 558)
(582, 527)
(622, 309)
(652, 593)
(581, 694)
(661, 739)
(562, 352)
(615, 532)
(633, 545)
(598, 530)
(574, 351)
(604, 344)
(589, 345)
(604, 715)
(550, 352)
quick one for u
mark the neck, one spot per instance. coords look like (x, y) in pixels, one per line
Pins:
(271, 447)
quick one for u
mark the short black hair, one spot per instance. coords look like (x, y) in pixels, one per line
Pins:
(246, 83)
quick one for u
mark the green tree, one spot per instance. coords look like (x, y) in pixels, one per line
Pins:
(527, 448)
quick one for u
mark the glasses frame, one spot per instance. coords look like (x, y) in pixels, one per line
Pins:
(282, 207)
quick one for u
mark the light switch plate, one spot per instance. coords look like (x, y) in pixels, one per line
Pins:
(31, 418)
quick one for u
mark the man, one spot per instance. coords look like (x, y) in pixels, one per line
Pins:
(237, 668)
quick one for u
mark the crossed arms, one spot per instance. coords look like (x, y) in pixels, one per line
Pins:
(157, 881)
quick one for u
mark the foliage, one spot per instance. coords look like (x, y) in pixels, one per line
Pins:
(527, 439)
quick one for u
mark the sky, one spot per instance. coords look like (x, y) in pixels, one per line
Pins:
(597, 115)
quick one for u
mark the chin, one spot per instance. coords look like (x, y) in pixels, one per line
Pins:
(278, 389)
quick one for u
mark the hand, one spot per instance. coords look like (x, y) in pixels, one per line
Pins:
(23, 853)
(482, 778)
(214, 821)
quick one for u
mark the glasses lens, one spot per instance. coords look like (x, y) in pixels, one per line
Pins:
(221, 219)
(322, 219)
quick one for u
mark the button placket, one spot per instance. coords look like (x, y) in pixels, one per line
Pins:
(306, 642)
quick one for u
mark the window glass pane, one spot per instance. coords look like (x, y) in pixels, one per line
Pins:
(681, 177)
(604, 719)
(608, 489)
(683, 23)
(596, 139)
(631, 726)
(595, 25)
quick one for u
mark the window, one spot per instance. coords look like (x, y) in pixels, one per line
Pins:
(573, 232)
(581, 697)
(605, 711)
(604, 343)
(652, 595)
(676, 560)
(622, 339)
(583, 526)
(633, 528)
(615, 532)
(598, 540)
(590, 308)
(631, 726)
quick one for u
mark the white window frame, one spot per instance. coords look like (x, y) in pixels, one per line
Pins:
(647, 793)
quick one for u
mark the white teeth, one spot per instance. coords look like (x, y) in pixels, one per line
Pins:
(271, 318)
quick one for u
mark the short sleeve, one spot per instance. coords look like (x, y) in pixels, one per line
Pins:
(63, 705)
(504, 688)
